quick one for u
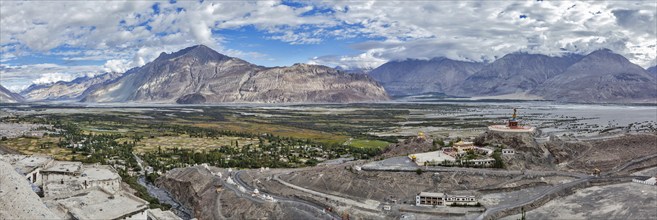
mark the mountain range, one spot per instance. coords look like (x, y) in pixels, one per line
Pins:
(62, 90)
(199, 74)
(412, 77)
(599, 77)
(7, 96)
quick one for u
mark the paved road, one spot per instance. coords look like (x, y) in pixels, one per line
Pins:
(397, 164)
(552, 190)
(296, 201)
(630, 163)
(347, 201)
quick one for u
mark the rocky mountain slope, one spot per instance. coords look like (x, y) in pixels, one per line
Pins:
(199, 74)
(514, 73)
(410, 77)
(7, 96)
(652, 71)
(601, 76)
(72, 90)
(210, 197)
(17, 200)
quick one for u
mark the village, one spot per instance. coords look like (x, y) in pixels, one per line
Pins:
(73, 190)
(419, 177)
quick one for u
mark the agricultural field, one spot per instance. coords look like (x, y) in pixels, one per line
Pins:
(40, 146)
(189, 143)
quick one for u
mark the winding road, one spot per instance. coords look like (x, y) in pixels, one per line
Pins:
(296, 201)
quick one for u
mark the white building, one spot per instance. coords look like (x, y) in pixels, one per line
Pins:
(508, 151)
(29, 166)
(433, 157)
(158, 214)
(430, 199)
(97, 203)
(646, 180)
(460, 200)
(63, 177)
(443, 199)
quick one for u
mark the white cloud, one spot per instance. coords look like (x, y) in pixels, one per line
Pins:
(19, 77)
(53, 77)
(368, 60)
(486, 30)
(125, 34)
(118, 66)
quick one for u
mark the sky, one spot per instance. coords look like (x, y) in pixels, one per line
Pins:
(48, 41)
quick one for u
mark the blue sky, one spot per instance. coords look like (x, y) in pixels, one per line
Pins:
(42, 42)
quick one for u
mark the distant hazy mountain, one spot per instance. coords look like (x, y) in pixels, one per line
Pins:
(7, 96)
(72, 90)
(652, 71)
(199, 74)
(601, 76)
(514, 73)
(410, 77)
(355, 70)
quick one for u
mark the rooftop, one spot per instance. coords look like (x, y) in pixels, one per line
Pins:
(642, 178)
(98, 172)
(519, 129)
(431, 194)
(437, 156)
(158, 214)
(99, 204)
(26, 164)
(63, 167)
(463, 143)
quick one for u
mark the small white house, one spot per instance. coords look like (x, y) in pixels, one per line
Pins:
(508, 151)
(646, 180)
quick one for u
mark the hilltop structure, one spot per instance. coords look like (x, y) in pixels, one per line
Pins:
(512, 126)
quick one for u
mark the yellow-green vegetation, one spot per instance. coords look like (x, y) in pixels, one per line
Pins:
(41, 146)
(368, 143)
(279, 130)
(185, 142)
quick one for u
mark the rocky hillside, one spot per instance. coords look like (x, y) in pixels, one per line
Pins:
(72, 90)
(7, 96)
(652, 71)
(17, 200)
(411, 77)
(514, 73)
(605, 154)
(601, 76)
(210, 198)
(201, 75)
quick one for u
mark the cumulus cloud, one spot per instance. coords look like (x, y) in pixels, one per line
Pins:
(20, 77)
(484, 31)
(124, 34)
(368, 60)
(47, 78)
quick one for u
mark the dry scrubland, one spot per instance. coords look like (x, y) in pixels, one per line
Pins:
(603, 154)
(619, 201)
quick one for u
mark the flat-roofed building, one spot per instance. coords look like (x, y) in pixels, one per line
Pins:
(460, 200)
(29, 166)
(97, 203)
(646, 180)
(443, 199)
(158, 214)
(64, 177)
(429, 199)
(431, 158)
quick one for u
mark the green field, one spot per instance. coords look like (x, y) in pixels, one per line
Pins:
(368, 143)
